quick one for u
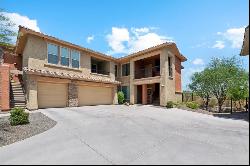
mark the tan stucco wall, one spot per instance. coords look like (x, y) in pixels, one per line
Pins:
(178, 97)
(35, 56)
(167, 84)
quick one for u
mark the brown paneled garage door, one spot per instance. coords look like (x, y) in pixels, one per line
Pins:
(94, 95)
(52, 95)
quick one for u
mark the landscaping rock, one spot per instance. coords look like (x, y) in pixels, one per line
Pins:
(10, 134)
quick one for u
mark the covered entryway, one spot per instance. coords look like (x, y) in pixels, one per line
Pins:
(148, 94)
(52, 95)
(94, 95)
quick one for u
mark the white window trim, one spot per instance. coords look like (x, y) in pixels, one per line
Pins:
(71, 50)
(52, 54)
(122, 69)
(61, 55)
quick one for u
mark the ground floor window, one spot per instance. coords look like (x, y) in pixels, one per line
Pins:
(126, 91)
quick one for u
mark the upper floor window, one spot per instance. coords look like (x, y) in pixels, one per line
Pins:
(64, 56)
(75, 59)
(116, 71)
(126, 69)
(170, 69)
(52, 54)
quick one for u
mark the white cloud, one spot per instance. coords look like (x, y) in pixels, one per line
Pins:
(145, 41)
(198, 61)
(18, 19)
(123, 40)
(139, 31)
(204, 44)
(234, 36)
(117, 38)
(90, 38)
(219, 44)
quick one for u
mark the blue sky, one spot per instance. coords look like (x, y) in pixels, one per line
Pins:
(202, 29)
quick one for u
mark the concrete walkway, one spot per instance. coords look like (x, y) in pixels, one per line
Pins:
(133, 135)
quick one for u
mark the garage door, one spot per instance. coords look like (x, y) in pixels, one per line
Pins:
(94, 95)
(52, 95)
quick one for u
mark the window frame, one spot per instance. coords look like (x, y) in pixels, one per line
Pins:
(69, 55)
(122, 70)
(71, 58)
(116, 70)
(128, 92)
(170, 67)
(58, 53)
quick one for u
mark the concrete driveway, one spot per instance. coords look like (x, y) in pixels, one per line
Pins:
(133, 135)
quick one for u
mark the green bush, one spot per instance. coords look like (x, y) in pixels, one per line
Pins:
(170, 104)
(121, 97)
(192, 105)
(18, 116)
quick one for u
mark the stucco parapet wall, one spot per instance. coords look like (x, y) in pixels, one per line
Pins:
(149, 80)
(92, 78)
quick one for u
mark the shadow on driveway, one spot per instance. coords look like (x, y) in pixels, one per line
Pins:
(234, 115)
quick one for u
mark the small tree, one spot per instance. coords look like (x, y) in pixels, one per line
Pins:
(200, 86)
(239, 89)
(222, 73)
(6, 31)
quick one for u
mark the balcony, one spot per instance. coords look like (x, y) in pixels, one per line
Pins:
(96, 71)
(100, 66)
(147, 67)
(147, 72)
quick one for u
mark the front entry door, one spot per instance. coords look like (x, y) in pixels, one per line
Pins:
(149, 96)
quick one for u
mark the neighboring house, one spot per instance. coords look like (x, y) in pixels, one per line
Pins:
(245, 46)
(57, 73)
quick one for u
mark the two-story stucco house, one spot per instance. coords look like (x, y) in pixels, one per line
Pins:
(57, 73)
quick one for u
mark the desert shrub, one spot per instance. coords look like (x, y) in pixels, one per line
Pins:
(180, 104)
(192, 105)
(18, 116)
(170, 104)
(121, 97)
(212, 103)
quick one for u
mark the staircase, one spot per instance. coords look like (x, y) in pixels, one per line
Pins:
(17, 98)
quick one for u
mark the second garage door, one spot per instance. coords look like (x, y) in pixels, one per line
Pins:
(52, 95)
(94, 95)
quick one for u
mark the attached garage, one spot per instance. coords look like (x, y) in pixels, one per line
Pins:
(95, 95)
(52, 95)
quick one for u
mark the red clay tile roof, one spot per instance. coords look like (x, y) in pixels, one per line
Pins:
(92, 78)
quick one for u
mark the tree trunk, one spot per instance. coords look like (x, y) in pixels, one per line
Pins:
(220, 103)
(207, 100)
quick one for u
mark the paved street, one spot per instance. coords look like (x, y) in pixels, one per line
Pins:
(133, 135)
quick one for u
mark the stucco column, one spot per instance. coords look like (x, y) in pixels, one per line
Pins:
(32, 103)
(115, 97)
(164, 74)
(144, 94)
(73, 94)
(167, 84)
(112, 70)
(5, 87)
(132, 87)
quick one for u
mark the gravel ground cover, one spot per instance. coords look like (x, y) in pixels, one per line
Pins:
(10, 134)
